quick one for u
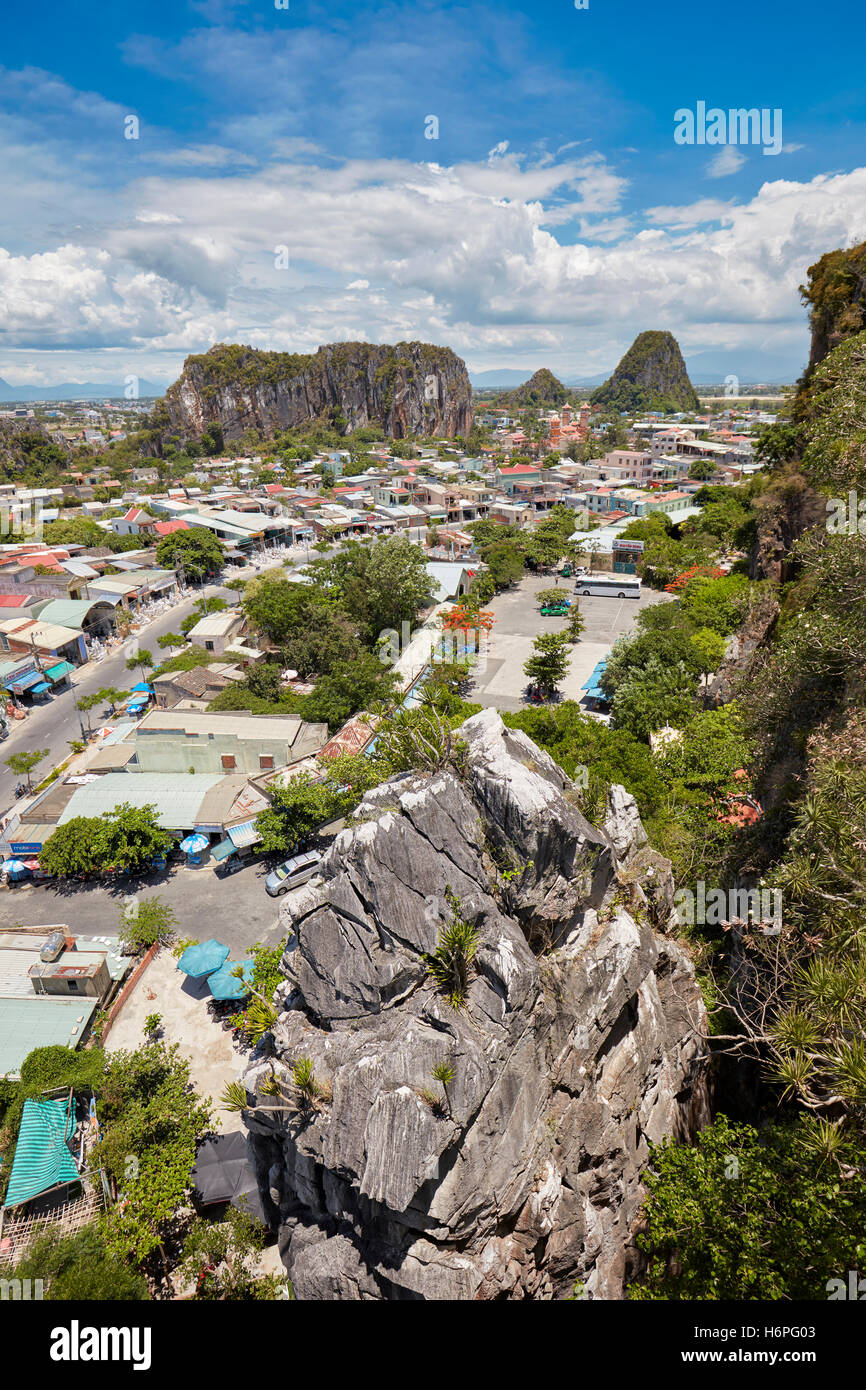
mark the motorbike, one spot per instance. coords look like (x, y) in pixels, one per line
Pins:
(21, 789)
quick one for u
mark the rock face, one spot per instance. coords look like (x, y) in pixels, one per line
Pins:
(836, 295)
(789, 507)
(23, 444)
(579, 1041)
(651, 376)
(411, 388)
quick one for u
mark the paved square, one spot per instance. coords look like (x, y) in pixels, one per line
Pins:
(502, 683)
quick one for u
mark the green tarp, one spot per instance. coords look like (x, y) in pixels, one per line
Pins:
(42, 1160)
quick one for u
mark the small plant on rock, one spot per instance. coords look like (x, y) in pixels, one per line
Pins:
(450, 964)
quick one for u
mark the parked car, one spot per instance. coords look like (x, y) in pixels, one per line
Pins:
(292, 873)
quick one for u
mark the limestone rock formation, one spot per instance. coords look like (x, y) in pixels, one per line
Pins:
(542, 389)
(410, 388)
(651, 376)
(579, 1043)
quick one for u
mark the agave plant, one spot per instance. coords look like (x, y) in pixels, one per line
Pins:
(450, 964)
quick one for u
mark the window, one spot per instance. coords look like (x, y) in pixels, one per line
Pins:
(228, 761)
(266, 762)
(72, 986)
(208, 646)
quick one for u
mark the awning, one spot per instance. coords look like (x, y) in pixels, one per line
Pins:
(25, 682)
(59, 670)
(42, 1159)
(244, 835)
(38, 689)
(222, 850)
(592, 687)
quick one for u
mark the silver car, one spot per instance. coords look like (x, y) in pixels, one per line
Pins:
(292, 873)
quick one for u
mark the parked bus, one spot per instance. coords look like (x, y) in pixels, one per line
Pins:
(611, 585)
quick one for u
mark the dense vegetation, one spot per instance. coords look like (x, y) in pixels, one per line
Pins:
(651, 376)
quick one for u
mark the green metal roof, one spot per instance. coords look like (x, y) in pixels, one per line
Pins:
(68, 612)
(177, 796)
(32, 1022)
(42, 1159)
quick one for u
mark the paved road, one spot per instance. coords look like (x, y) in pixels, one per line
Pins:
(55, 723)
(236, 910)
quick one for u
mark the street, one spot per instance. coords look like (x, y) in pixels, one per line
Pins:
(54, 724)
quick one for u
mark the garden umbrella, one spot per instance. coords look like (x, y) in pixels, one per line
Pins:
(224, 985)
(194, 844)
(203, 959)
(142, 686)
(223, 1173)
(15, 867)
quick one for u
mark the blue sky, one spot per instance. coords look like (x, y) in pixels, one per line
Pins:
(281, 190)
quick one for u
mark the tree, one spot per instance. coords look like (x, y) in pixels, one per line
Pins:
(504, 565)
(747, 1215)
(379, 586)
(332, 642)
(278, 607)
(22, 764)
(310, 800)
(549, 661)
(78, 1266)
(149, 1111)
(196, 551)
(652, 697)
(576, 622)
(148, 922)
(142, 658)
(546, 598)
(127, 837)
(710, 647)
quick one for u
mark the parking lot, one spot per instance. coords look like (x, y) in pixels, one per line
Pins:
(236, 910)
(501, 682)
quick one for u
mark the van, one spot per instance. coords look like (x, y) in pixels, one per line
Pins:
(292, 873)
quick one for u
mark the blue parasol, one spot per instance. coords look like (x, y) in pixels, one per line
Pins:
(194, 844)
(223, 984)
(203, 959)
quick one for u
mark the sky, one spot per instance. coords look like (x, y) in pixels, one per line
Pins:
(500, 178)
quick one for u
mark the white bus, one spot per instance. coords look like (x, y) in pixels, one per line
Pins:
(611, 585)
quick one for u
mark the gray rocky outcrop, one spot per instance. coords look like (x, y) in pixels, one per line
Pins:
(405, 389)
(579, 1042)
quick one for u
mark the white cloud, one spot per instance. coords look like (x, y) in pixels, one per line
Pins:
(472, 255)
(728, 160)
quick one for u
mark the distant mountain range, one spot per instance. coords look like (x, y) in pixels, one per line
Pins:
(78, 391)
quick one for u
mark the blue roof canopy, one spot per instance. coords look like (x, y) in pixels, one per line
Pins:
(592, 687)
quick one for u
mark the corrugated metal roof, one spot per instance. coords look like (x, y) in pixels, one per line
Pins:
(68, 612)
(29, 1023)
(177, 796)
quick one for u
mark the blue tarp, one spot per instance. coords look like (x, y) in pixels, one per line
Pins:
(42, 1159)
